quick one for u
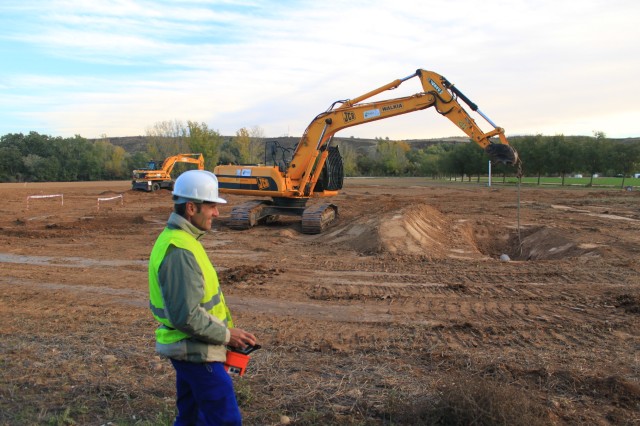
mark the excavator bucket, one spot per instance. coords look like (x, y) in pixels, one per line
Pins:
(501, 153)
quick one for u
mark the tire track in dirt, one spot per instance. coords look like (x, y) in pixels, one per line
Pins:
(440, 306)
(379, 297)
(501, 309)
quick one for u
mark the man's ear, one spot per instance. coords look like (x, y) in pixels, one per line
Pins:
(190, 208)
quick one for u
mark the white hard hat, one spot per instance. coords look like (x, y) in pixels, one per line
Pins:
(197, 186)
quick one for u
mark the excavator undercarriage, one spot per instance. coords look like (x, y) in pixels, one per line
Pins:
(315, 218)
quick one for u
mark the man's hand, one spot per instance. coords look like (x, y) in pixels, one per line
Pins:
(240, 338)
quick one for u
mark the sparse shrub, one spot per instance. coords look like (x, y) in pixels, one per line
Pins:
(473, 401)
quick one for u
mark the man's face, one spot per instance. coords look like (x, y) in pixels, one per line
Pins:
(201, 215)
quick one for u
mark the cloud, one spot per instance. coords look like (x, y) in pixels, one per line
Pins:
(114, 67)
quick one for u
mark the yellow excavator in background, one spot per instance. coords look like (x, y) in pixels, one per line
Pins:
(315, 168)
(157, 175)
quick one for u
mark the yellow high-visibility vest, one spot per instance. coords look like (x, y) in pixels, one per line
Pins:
(213, 299)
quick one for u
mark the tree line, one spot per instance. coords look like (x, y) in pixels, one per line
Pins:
(37, 158)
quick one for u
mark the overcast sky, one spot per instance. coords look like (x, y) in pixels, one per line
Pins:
(118, 67)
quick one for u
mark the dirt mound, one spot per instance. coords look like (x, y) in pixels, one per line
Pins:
(415, 230)
(423, 230)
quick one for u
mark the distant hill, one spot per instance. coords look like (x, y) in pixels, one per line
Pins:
(133, 144)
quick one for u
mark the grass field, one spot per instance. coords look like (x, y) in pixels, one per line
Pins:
(599, 182)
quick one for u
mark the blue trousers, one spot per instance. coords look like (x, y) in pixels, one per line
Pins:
(205, 395)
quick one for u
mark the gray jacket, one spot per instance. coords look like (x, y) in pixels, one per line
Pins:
(182, 287)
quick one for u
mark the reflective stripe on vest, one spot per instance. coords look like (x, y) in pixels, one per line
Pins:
(160, 313)
(212, 300)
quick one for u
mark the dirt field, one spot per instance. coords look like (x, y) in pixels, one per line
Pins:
(401, 313)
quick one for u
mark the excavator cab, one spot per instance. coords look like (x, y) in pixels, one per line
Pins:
(278, 155)
(154, 165)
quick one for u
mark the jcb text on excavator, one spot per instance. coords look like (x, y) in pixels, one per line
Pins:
(315, 169)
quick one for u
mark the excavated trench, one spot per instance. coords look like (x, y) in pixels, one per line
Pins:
(423, 230)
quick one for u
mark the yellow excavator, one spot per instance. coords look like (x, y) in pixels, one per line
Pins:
(157, 174)
(314, 168)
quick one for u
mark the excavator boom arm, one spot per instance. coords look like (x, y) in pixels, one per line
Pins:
(437, 92)
(170, 162)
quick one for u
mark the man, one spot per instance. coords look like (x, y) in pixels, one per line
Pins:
(185, 297)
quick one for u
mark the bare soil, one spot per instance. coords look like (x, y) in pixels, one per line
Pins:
(420, 293)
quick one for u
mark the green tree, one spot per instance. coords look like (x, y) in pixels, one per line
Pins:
(366, 165)
(38, 152)
(36, 157)
(76, 158)
(256, 145)
(478, 161)
(428, 161)
(229, 152)
(466, 160)
(391, 157)
(534, 154)
(167, 138)
(349, 159)
(102, 153)
(206, 142)
(37, 144)
(562, 157)
(134, 161)
(114, 167)
(11, 164)
(243, 141)
(42, 169)
(594, 154)
(626, 159)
